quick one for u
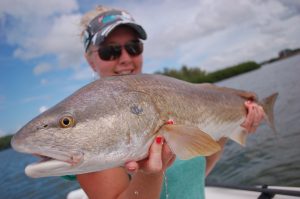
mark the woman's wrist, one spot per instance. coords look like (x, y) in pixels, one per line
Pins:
(144, 185)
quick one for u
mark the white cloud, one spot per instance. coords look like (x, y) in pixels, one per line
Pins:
(63, 40)
(207, 33)
(60, 39)
(30, 20)
(41, 68)
(43, 109)
(43, 28)
(24, 9)
(214, 34)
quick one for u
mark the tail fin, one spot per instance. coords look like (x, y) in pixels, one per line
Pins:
(268, 105)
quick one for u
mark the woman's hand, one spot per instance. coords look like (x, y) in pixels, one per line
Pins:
(159, 159)
(254, 116)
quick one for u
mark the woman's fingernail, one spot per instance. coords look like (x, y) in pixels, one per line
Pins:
(131, 168)
(158, 140)
(170, 122)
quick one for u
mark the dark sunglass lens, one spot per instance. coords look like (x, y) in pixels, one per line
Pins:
(134, 48)
(110, 52)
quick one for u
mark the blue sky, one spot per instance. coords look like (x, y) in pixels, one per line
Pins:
(41, 53)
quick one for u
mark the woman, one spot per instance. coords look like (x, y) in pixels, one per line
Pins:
(112, 47)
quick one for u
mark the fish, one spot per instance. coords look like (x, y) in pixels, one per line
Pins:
(114, 120)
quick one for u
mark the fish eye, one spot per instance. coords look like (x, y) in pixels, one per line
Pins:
(66, 122)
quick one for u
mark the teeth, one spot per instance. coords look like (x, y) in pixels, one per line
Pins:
(125, 72)
(43, 158)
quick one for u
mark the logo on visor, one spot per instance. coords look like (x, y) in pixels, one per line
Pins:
(110, 18)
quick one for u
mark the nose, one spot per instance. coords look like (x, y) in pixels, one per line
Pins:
(125, 57)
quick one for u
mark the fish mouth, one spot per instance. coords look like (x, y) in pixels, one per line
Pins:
(53, 164)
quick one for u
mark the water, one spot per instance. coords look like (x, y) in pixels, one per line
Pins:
(267, 159)
(14, 184)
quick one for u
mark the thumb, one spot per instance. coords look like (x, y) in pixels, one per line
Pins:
(155, 155)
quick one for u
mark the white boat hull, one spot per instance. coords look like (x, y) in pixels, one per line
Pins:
(226, 193)
(214, 193)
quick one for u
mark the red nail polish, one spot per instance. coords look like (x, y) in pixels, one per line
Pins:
(158, 140)
(170, 122)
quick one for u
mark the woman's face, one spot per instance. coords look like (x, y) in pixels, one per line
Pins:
(125, 64)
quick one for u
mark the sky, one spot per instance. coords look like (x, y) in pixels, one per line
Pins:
(41, 55)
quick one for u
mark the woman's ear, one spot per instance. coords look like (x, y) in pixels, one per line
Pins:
(90, 61)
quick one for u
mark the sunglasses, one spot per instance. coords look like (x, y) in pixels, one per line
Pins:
(113, 51)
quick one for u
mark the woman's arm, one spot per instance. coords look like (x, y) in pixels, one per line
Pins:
(146, 179)
(115, 184)
(105, 184)
(213, 159)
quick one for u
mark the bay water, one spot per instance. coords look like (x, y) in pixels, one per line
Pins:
(268, 158)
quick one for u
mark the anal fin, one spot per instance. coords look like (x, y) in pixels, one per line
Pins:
(188, 142)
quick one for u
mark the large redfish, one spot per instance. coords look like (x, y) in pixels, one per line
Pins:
(115, 120)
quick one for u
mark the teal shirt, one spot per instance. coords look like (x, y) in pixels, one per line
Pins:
(69, 177)
(185, 179)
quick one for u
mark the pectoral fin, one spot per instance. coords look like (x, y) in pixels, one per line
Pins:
(188, 142)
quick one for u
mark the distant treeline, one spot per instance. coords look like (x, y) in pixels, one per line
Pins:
(5, 142)
(283, 54)
(194, 75)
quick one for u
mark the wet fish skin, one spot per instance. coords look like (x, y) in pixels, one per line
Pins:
(115, 119)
